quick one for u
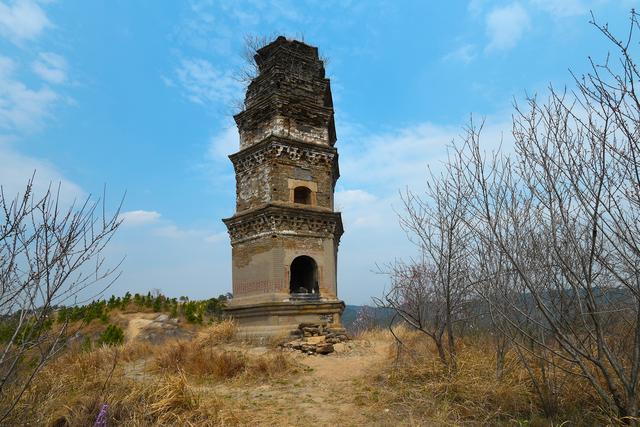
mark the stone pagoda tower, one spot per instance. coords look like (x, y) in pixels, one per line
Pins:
(285, 233)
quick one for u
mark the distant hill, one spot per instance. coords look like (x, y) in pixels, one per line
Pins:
(382, 316)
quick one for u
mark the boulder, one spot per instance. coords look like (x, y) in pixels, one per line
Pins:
(161, 318)
(324, 348)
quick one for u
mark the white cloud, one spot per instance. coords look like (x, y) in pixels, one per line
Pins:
(203, 84)
(51, 67)
(346, 199)
(159, 227)
(22, 109)
(390, 161)
(164, 228)
(359, 208)
(465, 54)
(505, 26)
(216, 237)
(374, 168)
(216, 166)
(224, 143)
(139, 217)
(16, 170)
(22, 20)
(562, 8)
(171, 231)
(475, 7)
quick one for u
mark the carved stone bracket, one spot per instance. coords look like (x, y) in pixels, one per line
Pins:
(294, 151)
(284, 221)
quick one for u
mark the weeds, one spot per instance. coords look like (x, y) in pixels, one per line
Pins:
(416, 386)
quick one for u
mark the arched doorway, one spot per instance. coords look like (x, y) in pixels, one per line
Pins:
(304, 276)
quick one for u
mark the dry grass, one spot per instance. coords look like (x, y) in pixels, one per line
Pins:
(212, 364)
(218, 333)
(415, 389)
(376, 334)
(72, 390)
(207, 360)
(208, 357)
(218, 379)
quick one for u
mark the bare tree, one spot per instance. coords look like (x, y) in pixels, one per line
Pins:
(49, 256)
(429, 292)
(565, 214)
(548, 238)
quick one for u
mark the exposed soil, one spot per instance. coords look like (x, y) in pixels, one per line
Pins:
(323, 394)
(325, 391)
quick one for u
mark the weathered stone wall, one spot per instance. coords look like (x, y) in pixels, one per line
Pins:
(285, 127)
(253, 187)
(316, 178)
(261, 267)
(264, 173)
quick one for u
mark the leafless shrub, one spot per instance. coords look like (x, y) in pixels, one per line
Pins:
(49, 255)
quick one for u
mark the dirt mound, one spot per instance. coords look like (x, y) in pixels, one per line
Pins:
(153, 327)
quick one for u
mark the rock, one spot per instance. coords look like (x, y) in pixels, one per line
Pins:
(308, 348)
(320, 339)
(340, 347)
(296, 345)
(161, 318)
(317, 338)
(168, 326)
(153, 325)
(307, 325)
(324, 349)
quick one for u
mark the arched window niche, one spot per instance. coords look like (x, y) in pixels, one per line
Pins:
(302, 195)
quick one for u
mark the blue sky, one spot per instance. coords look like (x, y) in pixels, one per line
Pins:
(139, 95)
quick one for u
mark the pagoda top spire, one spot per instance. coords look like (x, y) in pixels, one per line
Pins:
(289, 98)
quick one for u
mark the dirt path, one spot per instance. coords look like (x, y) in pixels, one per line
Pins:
(324, 395)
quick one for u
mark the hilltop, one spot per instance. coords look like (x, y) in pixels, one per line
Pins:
(150, 360)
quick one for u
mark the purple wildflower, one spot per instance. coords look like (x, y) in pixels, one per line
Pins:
(101, 419)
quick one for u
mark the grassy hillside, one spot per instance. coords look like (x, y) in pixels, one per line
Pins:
(136, 366)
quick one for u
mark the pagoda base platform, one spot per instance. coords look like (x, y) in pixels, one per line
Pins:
(282, 318)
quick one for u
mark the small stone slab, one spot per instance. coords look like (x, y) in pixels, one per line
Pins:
(316, 340)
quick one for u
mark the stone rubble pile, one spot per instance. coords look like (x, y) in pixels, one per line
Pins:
(316, 338)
